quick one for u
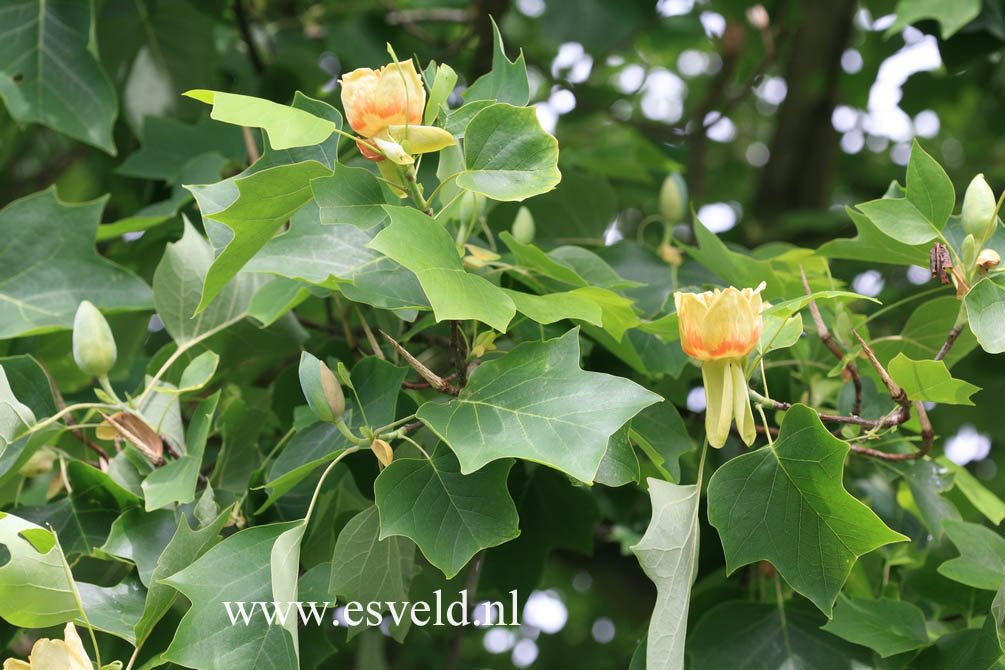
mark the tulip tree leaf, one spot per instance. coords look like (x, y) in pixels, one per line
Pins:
(506, 81)
(887, 627)
(287, 127)
(981, 562)
(952, 16)
(667, 554)
(205, 638)
(786, 503)
(41, 285)
(508, 155)
(177, 480)
(986, 308)
(422, 245)
(928, 201)
(34, 592)
(351, 195)
(989, 504)
(243, 212)
(451, 516)
(872, 245)
(536, 403)
(553, 307)
(48, 73)
(784, 638)
(661, 434)
(929, 381)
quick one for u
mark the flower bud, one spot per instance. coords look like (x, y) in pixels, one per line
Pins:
(671, 255)
(978, 209)
(39, 463)
(93, 343)
(523, 226)
(968, 252)
(470, 206)
(987, 259)
(673, 199)
(382, 450)
(321, 388)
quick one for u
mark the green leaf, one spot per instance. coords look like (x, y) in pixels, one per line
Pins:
(506, 81)
(140, 537)
(785, 503)
(15, 416)
(113, 609)
(981, 563)
(176, 481)
(50, 74)
(929, 198)
(925, 332)
(264, 201)
(508, 155)
(736, 269)
(660, 433)
(351, 195)
(336, 256)
(926, 481)
(951, 15)
(185, 547)
(41, 285)
(668, 553)
(536, 403)
(930, 381)
(441, 88)
(450, 516)
(167, 146)
(34, 591)
(788, 637)
(286, 127)
(620, 465)
(368, 568)
(206, 639)
(532, 258)
(289, 188)
(872, 245)
(554, 307)
(887, 627)
(989, 504)
(986, 310)
(178, 282)
(977, 648)
(422, 245)
(277, 296)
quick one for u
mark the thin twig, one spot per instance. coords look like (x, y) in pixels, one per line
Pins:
(927, 434)
(71, 423)
(369, 335)
(426, 385)
(250, 145)
(896, 393)
(436, 381)
(953, 334)
(249, 40)
(829, 342)
(343, 317)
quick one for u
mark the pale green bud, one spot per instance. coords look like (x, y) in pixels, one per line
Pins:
(93, 343)
(673, 198)
(968, 252)
(978, 209)
(523, 226)
(321, 388)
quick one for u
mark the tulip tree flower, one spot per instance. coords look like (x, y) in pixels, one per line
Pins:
(385, 106)
(719, 328)
(65, 654)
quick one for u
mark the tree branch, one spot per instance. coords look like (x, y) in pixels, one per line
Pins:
(953, 334)
(829, 342)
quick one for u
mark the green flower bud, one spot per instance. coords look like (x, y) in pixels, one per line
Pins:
(968, 252)
(673, 198)
(978, 209)
(321, 388)
(523, 226)
(470, 206)
(93, 343)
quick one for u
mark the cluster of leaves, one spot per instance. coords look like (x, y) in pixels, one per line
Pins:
(196, 474)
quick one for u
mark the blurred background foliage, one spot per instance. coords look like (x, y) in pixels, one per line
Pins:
(779, 115)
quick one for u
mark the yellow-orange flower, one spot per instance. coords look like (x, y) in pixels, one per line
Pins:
(386, 106)
(720, 328)
(65, 654)
(719, 324)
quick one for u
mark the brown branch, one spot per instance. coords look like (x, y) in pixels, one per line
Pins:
(71, 423)
(894, 419)
(249, 40)
(829, 342)
(436, 381)
(953, 334)
(896, 393)
(426, 385)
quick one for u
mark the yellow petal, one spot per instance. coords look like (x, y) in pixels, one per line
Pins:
(741, 405)
(389, 172)
(358, 93)
(14, 664)
(421, 139)
(718, 400)
(691, 311)
(399, 98)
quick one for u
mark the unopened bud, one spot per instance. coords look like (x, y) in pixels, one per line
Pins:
(93, 343)
(979, 209)
(321, 388)
(673, 199)
(671, 255)
(968, 252)
(382, 450)
(470, 206)
(987, 259)
(523, 226)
